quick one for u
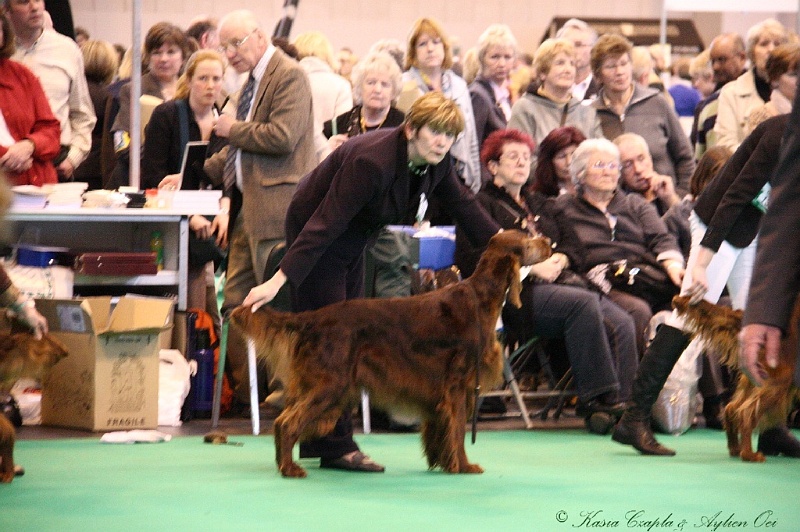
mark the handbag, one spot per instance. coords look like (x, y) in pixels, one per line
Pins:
(645, 279)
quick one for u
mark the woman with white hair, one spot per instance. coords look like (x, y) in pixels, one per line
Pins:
(739, 98)
(549, 102)
(376, 85)
(611, 226)
(491, 99)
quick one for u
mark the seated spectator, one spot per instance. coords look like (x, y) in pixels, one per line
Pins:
(551, 176)
(611, 225)
(29, 137)
(599, 335)
(638, 176)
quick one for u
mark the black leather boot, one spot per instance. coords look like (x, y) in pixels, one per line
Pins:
(778, 440)
(634, 426)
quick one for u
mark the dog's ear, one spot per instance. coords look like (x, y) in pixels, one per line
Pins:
(515, 284)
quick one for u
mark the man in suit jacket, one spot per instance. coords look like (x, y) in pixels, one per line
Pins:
(273, 148)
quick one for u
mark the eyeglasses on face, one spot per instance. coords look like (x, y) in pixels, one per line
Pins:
(600, 165)
(515, 157)
(233, 45)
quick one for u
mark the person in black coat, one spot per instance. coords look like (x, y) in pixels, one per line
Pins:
(600, 337)
(372, 180)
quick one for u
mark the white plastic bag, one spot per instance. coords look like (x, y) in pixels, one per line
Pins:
(677, 403)
(173, 386)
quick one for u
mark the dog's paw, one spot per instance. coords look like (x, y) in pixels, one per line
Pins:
(293, 470)
(6, 478)
(471, 468)
(753, 457)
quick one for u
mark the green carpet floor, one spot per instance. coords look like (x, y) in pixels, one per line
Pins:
(534, 480)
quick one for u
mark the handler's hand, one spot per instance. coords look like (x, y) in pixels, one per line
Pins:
(266, 292)
(752, 339)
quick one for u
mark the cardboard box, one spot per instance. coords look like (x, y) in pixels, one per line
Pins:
(109, 381)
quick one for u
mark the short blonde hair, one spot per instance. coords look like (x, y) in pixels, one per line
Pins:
(700, 65)
(768, 26)
(434, 29)
(641, 62)
(495, 35)
(436, 111)
(182, 90)
(547, 52)
(315, 44)
(100, 61)
(376, 62)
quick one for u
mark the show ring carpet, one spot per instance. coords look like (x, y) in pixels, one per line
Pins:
(535, 480)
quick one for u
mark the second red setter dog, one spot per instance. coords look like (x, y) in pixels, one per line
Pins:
(752, 407)
(415, 354)
(21, 355)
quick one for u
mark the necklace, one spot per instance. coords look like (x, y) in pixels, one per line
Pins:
(363, 121)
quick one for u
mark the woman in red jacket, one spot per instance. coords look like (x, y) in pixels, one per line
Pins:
(29, 133)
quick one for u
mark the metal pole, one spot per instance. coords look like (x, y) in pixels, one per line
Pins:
(136, 91)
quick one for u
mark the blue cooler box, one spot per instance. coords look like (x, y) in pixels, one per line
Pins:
(435, 252)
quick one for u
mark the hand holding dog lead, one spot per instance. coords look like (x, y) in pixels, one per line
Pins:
(265, 292)
(753, 339)
(31, 317)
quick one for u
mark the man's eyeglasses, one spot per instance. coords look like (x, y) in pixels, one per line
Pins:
(234, 45)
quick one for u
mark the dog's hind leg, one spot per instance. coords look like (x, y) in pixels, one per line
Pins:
(317, 411)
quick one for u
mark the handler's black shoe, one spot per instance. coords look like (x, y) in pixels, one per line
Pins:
(778, 440)
(354, 461)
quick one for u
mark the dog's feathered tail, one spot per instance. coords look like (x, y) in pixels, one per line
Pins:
(274, 334)
(718, 326)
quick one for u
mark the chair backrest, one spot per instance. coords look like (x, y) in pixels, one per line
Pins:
(282, 300)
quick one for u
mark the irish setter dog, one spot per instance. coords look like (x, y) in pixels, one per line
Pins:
(752, 407)
(21, 355)
(415, 354)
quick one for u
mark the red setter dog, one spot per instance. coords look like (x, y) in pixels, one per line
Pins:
(414, 354)
(752, 407)
(21, 355)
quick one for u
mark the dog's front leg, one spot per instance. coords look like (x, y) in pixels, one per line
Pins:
(452, 419)
(7, 437)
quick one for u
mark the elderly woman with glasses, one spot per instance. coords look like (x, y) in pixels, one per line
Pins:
(611, 225)
(624, 106)
(599, 336)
